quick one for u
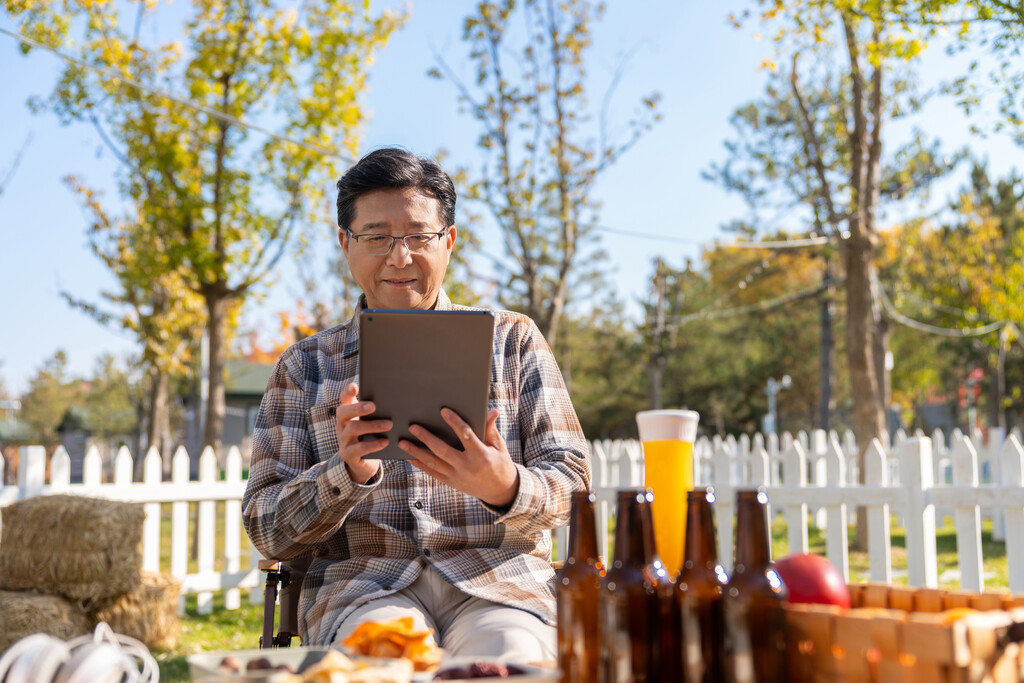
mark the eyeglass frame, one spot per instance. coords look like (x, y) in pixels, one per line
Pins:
(395, 239)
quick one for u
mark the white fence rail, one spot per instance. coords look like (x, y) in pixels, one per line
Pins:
(808, 478)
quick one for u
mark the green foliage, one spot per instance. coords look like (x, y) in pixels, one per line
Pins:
(215, 200)
(51, 392)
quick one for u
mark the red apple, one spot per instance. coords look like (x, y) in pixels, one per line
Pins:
(813, 579)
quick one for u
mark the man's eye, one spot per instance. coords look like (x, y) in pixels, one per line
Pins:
(418, 241)
(376, 240)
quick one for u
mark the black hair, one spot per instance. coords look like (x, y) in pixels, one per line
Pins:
(393, 167)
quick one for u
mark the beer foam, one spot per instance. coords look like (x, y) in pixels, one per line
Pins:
(667, 425)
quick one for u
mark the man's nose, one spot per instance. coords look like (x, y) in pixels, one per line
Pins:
(399, 254)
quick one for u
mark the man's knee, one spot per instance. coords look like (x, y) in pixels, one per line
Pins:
(502, 632)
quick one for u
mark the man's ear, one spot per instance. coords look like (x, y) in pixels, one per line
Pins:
(450, 238)
(343, 238)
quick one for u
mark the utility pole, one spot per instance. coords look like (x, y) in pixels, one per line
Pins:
(656, 365)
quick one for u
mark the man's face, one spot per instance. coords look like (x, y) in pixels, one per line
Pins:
(400, 278)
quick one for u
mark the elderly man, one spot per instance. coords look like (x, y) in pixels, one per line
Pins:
(456, 538)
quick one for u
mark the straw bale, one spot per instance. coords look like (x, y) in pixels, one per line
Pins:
(148, 613)
(25, 613)
(85, 549)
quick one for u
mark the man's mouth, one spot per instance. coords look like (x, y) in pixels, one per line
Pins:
(400, 282)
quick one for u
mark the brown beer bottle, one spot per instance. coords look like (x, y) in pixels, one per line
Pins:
(630, 605)
(755, 621)
(698, 615)
(577, 592)
(668, 639)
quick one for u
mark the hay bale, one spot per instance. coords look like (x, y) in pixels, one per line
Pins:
(148, 613)
(85, 549)
(25, 613)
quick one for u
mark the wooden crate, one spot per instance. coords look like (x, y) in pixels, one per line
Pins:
(906, 635)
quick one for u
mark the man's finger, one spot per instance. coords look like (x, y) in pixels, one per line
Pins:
(461, 428)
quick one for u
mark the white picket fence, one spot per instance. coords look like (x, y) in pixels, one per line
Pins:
(207, 492)
(808, 478)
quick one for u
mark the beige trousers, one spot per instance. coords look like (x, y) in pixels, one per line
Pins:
(465, 626)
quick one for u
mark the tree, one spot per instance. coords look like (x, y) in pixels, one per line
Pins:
(222, 194)
(843, 136)
(153, 303)
(964, 280)
(51, 392)
(541, 154)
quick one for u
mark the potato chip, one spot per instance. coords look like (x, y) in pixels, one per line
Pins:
(396, 638)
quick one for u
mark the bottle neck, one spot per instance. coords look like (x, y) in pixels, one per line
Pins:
(631, 541)
(700, 546)
(753, 538)
(583, 528)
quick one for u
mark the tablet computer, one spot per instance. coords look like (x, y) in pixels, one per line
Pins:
(413, 363)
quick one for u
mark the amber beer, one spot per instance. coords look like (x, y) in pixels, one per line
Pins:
(755, 621)
(577, 592)
(667, 437)
(630, 605)
(699, 619)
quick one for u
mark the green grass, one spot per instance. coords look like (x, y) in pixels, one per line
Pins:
(222, 630)
(994, 565)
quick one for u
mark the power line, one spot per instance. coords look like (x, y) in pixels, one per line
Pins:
(750, 308)
(932, 329)
(110, 73)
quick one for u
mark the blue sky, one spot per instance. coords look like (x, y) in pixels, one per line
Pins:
(685, 49)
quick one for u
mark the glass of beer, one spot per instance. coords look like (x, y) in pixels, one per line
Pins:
(667, 437)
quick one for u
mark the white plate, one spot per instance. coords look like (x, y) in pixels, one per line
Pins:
(205, 666)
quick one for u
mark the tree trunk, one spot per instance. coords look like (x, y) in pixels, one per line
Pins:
(159, 415)
(997, 385)
(217, 310)
(827, 361)
(883, 331)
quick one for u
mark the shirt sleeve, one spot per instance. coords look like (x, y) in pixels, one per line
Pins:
(293, 501)
(556, 456)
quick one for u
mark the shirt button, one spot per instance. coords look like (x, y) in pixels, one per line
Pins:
(426, 553)
(332, 411)
(336, 491)
(386, 587)
(418, 505)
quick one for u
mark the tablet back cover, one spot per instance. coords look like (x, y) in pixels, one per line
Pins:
(413, 363)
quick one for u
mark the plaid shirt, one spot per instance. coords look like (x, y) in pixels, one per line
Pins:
(372, 540)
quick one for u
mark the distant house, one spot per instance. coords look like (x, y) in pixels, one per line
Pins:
(244, 384)
(77, 435)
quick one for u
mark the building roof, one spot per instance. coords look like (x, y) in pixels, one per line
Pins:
(242, 378)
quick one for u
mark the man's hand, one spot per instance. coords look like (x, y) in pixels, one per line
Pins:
(349, 428)
(483, 469)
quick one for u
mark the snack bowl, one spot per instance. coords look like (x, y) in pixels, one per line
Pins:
(205, 667)
(527, 673)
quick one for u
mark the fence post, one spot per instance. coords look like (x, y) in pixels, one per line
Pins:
(180, 467)
(996, 439)
(725, 495)
(794, 463)
(31, 471)
(152, 476)
(60, 470)
(206, 528)
(967, 517)
(836, 540)
(233, 527)
(916, 477)
(92, 467)
(1013, 476)
(876, 475)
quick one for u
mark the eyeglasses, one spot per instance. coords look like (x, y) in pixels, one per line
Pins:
(379, 245)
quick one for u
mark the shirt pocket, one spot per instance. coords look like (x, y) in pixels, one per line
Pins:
(504, 396)
(322, 433)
